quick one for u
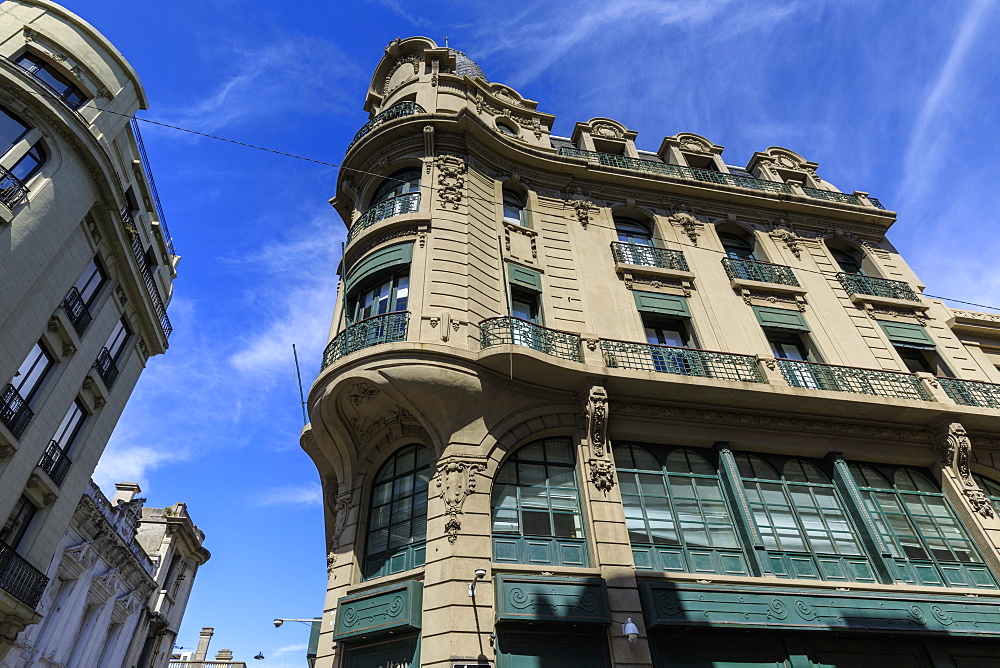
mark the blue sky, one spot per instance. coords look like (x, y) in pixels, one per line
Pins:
(898, 99)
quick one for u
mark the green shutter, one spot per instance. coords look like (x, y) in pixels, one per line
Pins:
(379, 261)
(654, 302)
(524, 277)
(779, 318)
(906, 334)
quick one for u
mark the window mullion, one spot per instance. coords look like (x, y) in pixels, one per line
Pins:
(871, 538)
(732, 487)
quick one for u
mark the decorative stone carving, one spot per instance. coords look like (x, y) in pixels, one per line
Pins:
(341, 508)
(605, 130)
(692, 226)
(435, 68)
(120, 291)
(433, 322)
(583, 208)
(954, 450)
(361, 393)
(456, 479)
(790, 240)
(450, 180)
(6, 450)
(591, 343)
(692, 145)
(602, 474)
(597, 419)
(408, 60)
(30, 35)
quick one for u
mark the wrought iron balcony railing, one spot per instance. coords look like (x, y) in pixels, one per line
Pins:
(77, 311)
(12, 189)
(14, 410)
(972, 392)
(875, 201)
(677, 171)
(392, 113)
(385, 328)
(19, 578)
(55, 462)
(680, 361)
(148, 171)
(708, 175)
(858, 284)
(753, 270)
(394, 206)
(61, 96)
(647, 256)
(518, 332)
(147, 273)
(106, 368)
(874, 382)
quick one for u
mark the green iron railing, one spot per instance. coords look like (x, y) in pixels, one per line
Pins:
(678, 171)
(393, 206)
(708, 175)
(858, 284)
(647, 256)
(392, 113)
(765, 272)
(972, 392)
(874, 382)
(831, 196)
(385, 328)
(875, 202)
(681, 361)
(511, 330)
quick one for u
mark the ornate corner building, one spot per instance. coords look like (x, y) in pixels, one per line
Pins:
(589, 405)
(86, 269)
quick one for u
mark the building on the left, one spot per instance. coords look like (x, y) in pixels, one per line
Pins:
(86, 269)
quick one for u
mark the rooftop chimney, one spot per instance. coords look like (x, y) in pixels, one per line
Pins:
(206, 637)
(224, 655)
(126, 491)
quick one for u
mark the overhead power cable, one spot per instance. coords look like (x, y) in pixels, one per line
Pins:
(431, 188)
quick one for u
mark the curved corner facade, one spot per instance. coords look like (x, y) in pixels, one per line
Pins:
(586, 404)
(86, 270)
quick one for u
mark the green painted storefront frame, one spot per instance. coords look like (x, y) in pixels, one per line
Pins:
(542, 598)
(392, 610)
(673, 604)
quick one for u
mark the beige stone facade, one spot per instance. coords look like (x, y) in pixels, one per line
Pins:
(86, 269)
(664, 305)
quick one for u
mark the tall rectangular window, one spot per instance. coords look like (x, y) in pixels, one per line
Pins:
(32, 372)
(90, 282)
(70, 426)
(18, 522)
(119, 337)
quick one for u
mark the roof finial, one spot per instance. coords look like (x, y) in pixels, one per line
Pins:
(446, 41)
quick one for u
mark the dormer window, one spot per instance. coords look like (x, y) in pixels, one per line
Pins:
(700, 161)
(64, 89)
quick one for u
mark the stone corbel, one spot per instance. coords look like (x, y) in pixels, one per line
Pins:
(428, 142)
(954, 452)
(583, 209)
(692, 226)
(456, 479)
(602, 474)
(597, 420)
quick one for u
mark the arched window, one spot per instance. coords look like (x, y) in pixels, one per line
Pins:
(513, 208)
(398, 183)
(676, 516)
(536, 507)
(737, 247)
(804, 526)
(633, 232)
(48, 74)
(929, 546)
(397, 519)
(12, 129)
(849, 264)
(25, 162)
(991, 488)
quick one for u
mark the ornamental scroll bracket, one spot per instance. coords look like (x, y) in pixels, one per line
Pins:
(341, 508)
(954, 449)
(450, 180)
(601, 468)
(456, 479)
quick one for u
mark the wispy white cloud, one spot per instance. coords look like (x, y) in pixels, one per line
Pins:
(310, 494)
(931, 133)
(397, 8)
(125, 461)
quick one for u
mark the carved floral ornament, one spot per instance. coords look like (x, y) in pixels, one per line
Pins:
(954, 448)
(790, 240)
(456, 479)
(692, 226)
(604, 129)
(597, 419)
(450, 180)
(692, 145)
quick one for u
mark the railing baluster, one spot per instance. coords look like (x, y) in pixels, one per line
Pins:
(754, 270)
(680, 361)
(859, 284)
(648, 256)
(971, 392)
(875, 382)
(511, 330)
(393, 206)
(385, 328)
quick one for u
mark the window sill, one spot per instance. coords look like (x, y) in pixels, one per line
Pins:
(676, 274)
(744, 284)
(889, 301)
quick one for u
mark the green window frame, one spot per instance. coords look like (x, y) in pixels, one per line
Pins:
(675, 511)
(991, 488)
(397, 515)
(802, 520)
(535, 504)
(927, 543)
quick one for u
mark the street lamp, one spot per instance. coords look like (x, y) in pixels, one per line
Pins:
(313, 635)
(279, 622)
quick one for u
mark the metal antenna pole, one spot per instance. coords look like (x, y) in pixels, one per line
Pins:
(298, 374)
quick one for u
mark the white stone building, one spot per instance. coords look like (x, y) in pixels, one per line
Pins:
(117, 589)
(86, 268)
